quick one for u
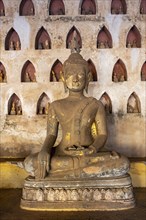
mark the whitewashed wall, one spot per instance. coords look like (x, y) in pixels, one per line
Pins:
(21, 135)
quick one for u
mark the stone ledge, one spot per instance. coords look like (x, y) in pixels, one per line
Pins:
(78, 194)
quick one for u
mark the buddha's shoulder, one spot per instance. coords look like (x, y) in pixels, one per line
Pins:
(95, 101)
(58, 102)
(90, 100)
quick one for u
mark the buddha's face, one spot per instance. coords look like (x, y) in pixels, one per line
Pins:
(75, 78)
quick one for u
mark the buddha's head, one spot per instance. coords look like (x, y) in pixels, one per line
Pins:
(76, 73)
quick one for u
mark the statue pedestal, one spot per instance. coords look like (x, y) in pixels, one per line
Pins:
(78, 194)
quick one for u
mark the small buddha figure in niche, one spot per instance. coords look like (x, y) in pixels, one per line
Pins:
(120, 10)
(122, 78)
(40, 46)
(32, 11)
(118, 77)
(57, 77)
(106, 44)
(11, 46)
(54, 76)
(17, 45)
(16, 108)
(74, 44)
(132, 40)
(13, 111)
(133, 105)
(77, 154)
(90, 77)
(2, 12)
(103, 40)
(129, 45)
(60, 76)
(2, 76)
(132, 44)
(46, 44)
(143, 10)
(143, 7)
(118, 73)
(115, 78)
(105, 101)
(101, 45)
(43, 108)
(29, 76)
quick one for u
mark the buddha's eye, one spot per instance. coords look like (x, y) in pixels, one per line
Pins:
(81, 75)
(69, 74)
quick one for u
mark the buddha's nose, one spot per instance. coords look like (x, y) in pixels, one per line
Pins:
(75, 78)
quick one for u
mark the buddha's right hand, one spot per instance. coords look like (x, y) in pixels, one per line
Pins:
(43, 161)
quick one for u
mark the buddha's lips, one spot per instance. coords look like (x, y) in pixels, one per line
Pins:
(76, 84)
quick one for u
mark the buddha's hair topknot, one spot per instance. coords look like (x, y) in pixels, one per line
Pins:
(75, 58)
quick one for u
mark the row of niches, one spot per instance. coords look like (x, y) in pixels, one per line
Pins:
(15, 106)
(28, 73)
(43, 40)
(86, 7)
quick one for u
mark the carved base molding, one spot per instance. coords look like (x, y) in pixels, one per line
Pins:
(78, 195)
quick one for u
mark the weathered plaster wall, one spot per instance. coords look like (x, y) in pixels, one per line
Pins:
(23, 134)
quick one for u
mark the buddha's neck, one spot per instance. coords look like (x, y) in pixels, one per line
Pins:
(78, 95)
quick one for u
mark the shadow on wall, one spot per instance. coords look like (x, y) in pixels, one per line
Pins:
(126, 134)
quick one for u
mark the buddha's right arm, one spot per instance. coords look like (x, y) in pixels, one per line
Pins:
(43, 159)
(49, 143)
(52, 130)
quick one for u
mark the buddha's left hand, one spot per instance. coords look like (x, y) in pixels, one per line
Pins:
(90, 150)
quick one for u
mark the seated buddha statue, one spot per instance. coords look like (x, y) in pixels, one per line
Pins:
(84, 133)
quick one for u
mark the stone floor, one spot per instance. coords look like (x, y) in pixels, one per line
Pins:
(10, 210)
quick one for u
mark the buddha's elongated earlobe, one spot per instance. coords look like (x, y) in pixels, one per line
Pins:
(64, 82)
(86, 87)
(65, 87)
(88, 77)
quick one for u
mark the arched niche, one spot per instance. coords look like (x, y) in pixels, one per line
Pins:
(42, 40)
(106, 101)
(12, 41)
(56, 71)
(118, 7)
(43, 104)
(104, 39)
(119, 72)
(93, 76)
(28, 73)
(26, 8)
(14, 105)
(143, 7)
(2, 8)
(133, 104)
(133, 38)
(143, 72)
(73, 32)
(88, 7)
(3, 77)
(56, 7)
